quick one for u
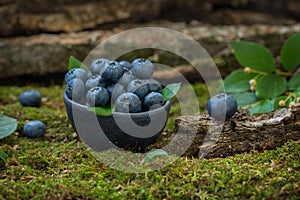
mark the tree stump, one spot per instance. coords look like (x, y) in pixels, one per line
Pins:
(242, 133)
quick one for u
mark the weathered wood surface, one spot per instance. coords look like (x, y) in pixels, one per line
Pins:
(36, 16)
(49, 53)
(242, 133)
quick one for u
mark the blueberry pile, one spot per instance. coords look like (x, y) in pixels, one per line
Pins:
(128, 86)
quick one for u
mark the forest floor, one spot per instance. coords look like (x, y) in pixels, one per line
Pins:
(58, 166)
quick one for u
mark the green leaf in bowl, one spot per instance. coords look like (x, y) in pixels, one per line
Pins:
(170, 91)
(75, 63)
(7, 126)
(102, 111)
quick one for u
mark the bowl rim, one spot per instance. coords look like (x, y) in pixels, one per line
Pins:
(166, 105)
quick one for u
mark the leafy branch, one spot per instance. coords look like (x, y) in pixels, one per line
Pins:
(262, 87)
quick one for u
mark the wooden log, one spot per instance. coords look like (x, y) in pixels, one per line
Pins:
(35, 54)
(242, 133)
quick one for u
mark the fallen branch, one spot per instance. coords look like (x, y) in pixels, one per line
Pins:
(243, 133)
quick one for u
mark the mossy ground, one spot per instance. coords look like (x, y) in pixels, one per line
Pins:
(58, 166)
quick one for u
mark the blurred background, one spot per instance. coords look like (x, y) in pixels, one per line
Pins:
(38, 36)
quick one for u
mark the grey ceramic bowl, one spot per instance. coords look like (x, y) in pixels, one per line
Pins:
(129, 131)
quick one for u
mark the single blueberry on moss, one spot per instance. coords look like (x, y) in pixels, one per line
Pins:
(30, 98)
(34, 129)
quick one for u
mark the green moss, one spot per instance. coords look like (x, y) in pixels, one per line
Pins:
(58, 166)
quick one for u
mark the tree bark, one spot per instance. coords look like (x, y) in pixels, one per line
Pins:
(49, 53)
(242, 133)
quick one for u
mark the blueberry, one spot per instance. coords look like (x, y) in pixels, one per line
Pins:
(221, 106)
(97, 96)
(115, 90)
(75, 90)
(128, 102)
(94, 81)
(153, 85)
(125, 64)
(102, 82)
(153, 100)
(113, 72)
(76, 73)
(99, 65)
(139, 87)
(34, 129)
(90, 75)
(142, 68)
(30, 98)
(126, 78)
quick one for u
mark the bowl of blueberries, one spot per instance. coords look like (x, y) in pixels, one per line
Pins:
(116, 104)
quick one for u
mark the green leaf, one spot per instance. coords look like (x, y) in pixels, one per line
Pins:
(238, 81)
(290, 52)
(245, 98)
(270, 86)
(154, 153)
(297, 93)
(255, 56)
(7, 126)
(294, 83)
(170, 91)
(102, 111)
(276, 102)
(3, 156)
(263, 106)
(74, 63)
